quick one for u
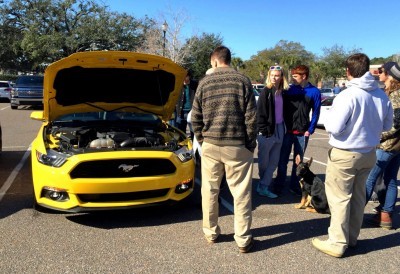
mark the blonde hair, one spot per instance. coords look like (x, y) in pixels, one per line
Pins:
(284, 82)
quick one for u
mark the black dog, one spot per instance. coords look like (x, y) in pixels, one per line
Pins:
(313, 189)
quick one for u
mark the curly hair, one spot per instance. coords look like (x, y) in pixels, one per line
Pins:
(393, 85)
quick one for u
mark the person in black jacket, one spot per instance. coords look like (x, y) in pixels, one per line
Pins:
(271, 128)
(300, 100)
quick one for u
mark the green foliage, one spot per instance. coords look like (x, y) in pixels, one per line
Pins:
(334, 62)
(381, 60)
(201, 47)
(8, 77)
(237, 63)
(44, 31)
(34, 33)
(285, 53)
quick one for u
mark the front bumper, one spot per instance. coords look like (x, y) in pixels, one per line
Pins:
(88, 193)
(25, 101)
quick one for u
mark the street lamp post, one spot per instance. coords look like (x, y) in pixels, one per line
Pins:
(164, 29)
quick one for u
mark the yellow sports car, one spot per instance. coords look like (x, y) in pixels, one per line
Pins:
(104, 142)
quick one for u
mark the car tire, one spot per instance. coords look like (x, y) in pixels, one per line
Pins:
(14, 107)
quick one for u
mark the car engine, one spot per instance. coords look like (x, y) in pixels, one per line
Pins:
(76, 140)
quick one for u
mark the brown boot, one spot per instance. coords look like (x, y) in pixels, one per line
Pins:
(386, 220)
(381, 219)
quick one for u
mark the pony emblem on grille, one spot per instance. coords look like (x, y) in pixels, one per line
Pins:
(127, 168)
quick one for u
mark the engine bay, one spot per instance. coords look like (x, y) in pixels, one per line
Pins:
(84, 139)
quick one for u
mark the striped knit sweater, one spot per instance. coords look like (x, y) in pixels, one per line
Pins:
(224, 109)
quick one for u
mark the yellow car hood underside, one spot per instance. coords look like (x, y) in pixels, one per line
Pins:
(109, 80)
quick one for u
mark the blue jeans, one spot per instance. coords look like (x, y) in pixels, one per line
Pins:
(387, 164)
(299, 143)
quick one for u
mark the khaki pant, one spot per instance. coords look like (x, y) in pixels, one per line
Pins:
(237, 163)
(346, 174)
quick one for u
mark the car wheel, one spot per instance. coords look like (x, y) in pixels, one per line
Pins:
(14, 107)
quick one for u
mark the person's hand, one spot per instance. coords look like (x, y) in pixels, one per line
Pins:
(307, 134)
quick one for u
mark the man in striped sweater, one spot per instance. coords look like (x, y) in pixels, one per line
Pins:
(225, 124)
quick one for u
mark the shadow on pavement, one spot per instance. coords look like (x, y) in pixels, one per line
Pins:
(370, 245)
(16, 182)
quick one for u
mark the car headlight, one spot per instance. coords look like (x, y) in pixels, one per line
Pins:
(14, 92)
(52, 158)
(184, 154)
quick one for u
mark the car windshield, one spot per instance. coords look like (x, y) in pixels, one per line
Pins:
(30, 81)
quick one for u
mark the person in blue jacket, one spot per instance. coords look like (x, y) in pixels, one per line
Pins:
(301, 98)
(336, 89)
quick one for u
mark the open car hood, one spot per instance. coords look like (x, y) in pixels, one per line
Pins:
(108, 80)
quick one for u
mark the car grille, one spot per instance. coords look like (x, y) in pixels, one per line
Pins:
(123, 168)
(30, 93)
(122, 197)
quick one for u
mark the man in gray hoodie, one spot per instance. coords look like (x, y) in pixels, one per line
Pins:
(355, 122)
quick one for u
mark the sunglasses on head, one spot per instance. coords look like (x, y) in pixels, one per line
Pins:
(380, 71)
(275, 68)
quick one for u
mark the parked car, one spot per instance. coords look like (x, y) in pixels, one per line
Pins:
(326, 104)
(326, 92)
(5, 89)
(258, 87)
(27, 90)
(105, 142)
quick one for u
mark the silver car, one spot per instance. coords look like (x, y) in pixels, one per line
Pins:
(327, 92)
(5, 89)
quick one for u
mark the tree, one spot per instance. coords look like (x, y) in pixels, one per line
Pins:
(237, 63)
(257, 66)
(334, 59)
(287, 54)
(380, 60)
(176, 47)
(52, 29)
(11, 55)
(292, 54)
(317, 71)
(200, 49)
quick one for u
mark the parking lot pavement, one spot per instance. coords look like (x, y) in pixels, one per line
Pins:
(170, 239)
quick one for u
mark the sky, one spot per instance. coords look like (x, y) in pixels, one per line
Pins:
(248, 27)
